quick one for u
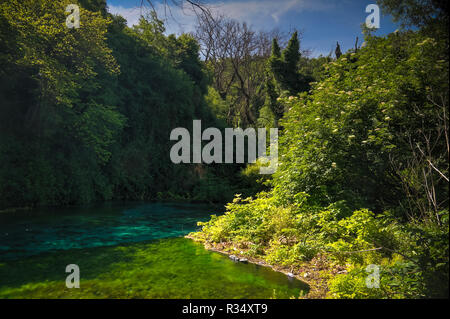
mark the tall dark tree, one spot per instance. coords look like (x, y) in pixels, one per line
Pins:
(285, 67)
(338, 51)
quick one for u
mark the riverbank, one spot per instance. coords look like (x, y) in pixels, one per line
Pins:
(315, 272)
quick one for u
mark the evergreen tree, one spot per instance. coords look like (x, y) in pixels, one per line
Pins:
(285, 67)
(276, 51)
(338, 51)
(291, 55)
(275, 61)
(272, 98)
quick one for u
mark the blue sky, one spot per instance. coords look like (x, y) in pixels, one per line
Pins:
(322, 22)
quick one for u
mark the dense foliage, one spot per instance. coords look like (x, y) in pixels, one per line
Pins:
(86, 113)
(363, 171)
(363, 175)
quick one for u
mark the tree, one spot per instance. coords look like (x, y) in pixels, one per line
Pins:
(431, 16)
(86, 112)
(421, 13)
(236, 56)
(285, 68)
(338, 51)
(56, 131)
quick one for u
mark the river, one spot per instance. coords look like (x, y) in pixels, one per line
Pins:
(125, 250)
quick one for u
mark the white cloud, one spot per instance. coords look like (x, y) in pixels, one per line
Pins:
(263, 12)
(259, 13)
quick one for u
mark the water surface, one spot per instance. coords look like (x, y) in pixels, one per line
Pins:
(125, 251)
(33, 232)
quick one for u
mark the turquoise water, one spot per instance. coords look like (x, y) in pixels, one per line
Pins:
(33, 232)
(125, 251)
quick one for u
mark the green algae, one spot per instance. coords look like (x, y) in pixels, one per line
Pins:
(125, 250)
(169, 268)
